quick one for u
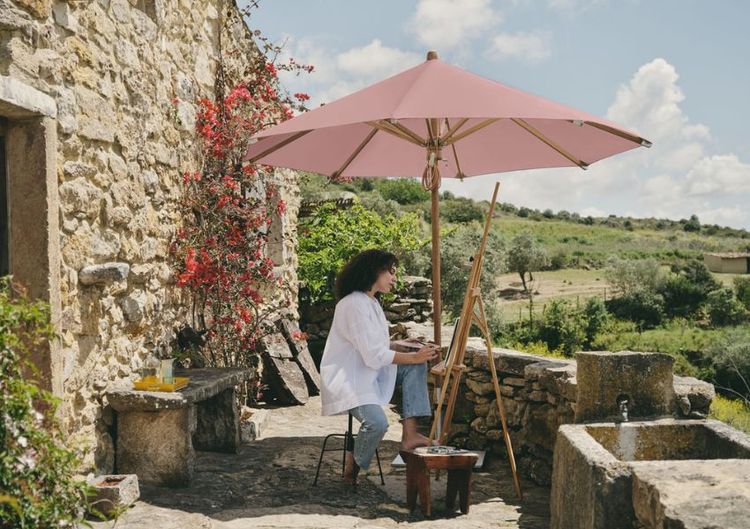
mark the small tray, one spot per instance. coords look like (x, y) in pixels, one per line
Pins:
(153, 384)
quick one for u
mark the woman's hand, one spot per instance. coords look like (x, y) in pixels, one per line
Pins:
(426, 354)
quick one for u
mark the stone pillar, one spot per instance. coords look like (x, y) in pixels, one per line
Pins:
(157, 445)
(218, 423)
(644, 380)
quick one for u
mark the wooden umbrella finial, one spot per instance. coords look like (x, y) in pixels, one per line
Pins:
(432, 54)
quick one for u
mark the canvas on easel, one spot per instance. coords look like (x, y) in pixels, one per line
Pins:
(452, 368)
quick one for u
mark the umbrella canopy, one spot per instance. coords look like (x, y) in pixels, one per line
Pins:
(436, 120)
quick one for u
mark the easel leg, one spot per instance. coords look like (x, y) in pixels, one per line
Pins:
(498, 397)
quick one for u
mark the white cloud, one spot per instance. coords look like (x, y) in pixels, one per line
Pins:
(724, 216)
(531, 47)
(722, 174)
(677, 177)
(445, 24)
(572, 5)
(651, 102)
(376, 61)
(340, 74)
(592, 212)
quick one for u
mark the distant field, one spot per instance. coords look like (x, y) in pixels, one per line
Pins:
(575, 285)
(572, 284)
(597, 243)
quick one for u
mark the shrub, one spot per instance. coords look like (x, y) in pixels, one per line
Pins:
(537, 348)
(644, 308)
(692, 225)
(460, 210)
(559, 260)
(331, 236)
(682, 297)
(742, 290)
(729, 358)
(734, 412)
(402, 190)
(375, 202)
(36, 471)
(562, 328)
(724, 308)
(699, 274)
(596, 318)
(628, 276)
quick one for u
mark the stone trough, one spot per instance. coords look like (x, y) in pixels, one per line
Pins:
(632, 463)
(592, 485)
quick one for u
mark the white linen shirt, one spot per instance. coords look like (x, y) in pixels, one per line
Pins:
(357, 365)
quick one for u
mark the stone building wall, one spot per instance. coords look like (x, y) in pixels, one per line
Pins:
(101, 75)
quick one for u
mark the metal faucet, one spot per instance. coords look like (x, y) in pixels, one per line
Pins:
(624, 410)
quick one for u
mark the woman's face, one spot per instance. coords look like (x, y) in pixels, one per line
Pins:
(386, 280)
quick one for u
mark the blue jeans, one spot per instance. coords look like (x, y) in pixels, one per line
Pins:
(373, 424)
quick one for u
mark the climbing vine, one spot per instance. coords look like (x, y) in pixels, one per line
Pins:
(220, 254)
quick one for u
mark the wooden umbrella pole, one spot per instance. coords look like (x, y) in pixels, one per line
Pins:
(436, 305)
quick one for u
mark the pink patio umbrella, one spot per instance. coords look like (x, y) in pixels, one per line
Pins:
(438, 120)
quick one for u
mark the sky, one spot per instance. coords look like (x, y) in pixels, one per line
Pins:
(675, 71)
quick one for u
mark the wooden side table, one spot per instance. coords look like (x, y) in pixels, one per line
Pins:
(418, 468)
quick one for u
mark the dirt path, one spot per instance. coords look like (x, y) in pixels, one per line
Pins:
(268, 484)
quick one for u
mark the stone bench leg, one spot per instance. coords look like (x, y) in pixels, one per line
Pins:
(157, 446)
(218, 423)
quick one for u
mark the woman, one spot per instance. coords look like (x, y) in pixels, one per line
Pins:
(361, 367)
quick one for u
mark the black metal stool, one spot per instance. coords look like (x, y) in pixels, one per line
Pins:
(348, 445)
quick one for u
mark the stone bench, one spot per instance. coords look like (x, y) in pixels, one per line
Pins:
(158, 432)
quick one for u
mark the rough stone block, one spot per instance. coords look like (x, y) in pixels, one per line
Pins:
(114, 491)
(645, 379)
(699, 395)
(692, 494)
(157, 446)
(103, 273)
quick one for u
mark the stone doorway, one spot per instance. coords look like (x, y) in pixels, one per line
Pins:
(30, 236)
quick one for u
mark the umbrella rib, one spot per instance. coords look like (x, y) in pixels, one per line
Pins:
(450, 132)
(279, 145)
(622, 134)
(406, 130)
(471, 130)
(459, 172)
(390, 129)
(354, 154)
(429, 130)
(544, 139)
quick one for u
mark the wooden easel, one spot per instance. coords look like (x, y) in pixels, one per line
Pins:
(453, 370)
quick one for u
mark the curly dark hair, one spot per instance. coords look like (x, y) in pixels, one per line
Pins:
(362, 270)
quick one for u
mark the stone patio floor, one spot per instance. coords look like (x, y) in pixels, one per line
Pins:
(268, 484)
